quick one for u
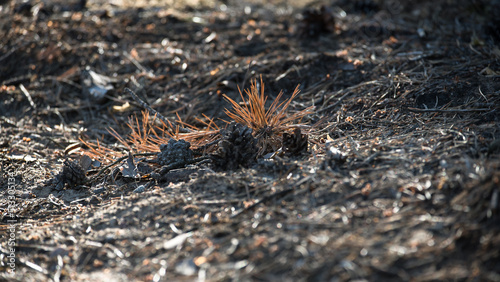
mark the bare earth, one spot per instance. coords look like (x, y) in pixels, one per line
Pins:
(400, 179)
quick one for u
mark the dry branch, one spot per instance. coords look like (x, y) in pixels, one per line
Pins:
(143, 104)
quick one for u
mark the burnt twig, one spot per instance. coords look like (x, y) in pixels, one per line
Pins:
(28, 96)
(151, 110)
(117, 162)
(176, 165)
(415, 110)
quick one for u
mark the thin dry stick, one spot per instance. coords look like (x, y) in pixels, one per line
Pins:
(28, 96)
(117, 162)
(143, 104)
(415, 110)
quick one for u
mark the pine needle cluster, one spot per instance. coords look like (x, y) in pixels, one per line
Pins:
(268, 125)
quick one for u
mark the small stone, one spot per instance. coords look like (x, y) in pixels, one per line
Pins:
(334, 157)
(140, 189)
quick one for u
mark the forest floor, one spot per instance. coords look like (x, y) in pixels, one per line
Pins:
(388, 169)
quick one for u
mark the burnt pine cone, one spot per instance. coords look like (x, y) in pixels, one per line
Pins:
(237, 148)
(73, 174)
(294, 143)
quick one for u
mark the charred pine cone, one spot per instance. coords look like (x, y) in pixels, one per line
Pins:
(176, 151)
(237, 148)
(73, 174)
(294, 143)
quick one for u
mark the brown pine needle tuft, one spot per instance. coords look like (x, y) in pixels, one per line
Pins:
(254, 114)
(146, 137)
(97, 151)
(268, 125)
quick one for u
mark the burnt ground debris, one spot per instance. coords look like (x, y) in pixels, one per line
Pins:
(399, 180)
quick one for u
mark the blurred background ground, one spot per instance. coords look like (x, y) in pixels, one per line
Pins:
(400, 181)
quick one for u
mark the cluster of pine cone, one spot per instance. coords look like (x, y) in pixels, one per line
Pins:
(237, 148)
